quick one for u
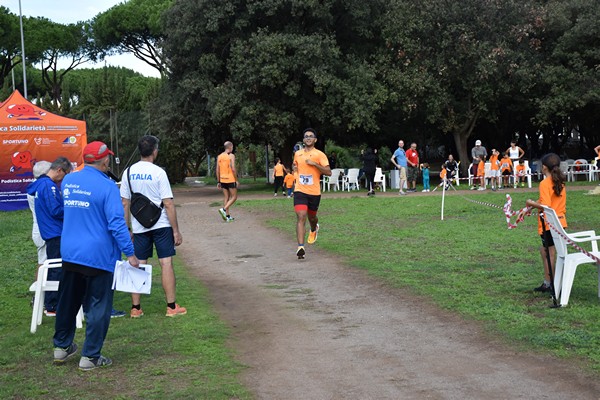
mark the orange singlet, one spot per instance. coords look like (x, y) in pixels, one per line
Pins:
(225, 172)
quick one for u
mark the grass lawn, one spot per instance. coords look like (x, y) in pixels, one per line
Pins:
(154, 357)
(469, 263)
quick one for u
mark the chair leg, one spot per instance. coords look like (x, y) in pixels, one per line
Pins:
(79, 319)
(558, 275)
(567, 283)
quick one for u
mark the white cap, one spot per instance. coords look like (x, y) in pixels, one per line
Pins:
(478, 143)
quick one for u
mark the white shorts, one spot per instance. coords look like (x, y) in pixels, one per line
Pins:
(494, 173)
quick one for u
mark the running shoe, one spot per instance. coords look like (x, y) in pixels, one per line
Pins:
(229, 219)
(88, 364)
(135, 313)
(223, 214)
(300, 252)
(173, 312)
(61, 355)
(312, 236)
(51, 313)
(117, 314)
(543, 288)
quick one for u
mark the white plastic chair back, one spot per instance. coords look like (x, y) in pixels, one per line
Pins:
(379, 178)
(40, 287)
(334, 179)
(351, 180)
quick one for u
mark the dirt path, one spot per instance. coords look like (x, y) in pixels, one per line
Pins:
(317, 329)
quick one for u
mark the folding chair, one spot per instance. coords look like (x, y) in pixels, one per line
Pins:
(40, 287)
(566, 263)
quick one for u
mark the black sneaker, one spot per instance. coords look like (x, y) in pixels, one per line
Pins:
(88, 364)
(300, 252)
(61, 355)
(543, 288)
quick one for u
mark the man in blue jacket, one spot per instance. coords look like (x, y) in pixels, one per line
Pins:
(94, 236)
(49, 212)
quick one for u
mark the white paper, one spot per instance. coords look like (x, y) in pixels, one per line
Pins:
(132, 280)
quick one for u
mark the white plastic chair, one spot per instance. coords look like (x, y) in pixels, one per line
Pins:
(380, 178)
(333, 180)
(566, 263)
(351, 180)
(40, 287)
(580, 167)
(527, 173)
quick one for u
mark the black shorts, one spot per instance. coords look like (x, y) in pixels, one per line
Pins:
(230, 185)
(507, 172)
(547, 240)
(309, 200)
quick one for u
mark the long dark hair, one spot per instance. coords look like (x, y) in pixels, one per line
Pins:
(552, 162)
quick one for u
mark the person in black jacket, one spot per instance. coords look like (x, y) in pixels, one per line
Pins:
(369, 159)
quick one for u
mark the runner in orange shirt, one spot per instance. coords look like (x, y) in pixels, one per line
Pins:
(554, 195)
(310, 164)
(506, 167)
(279, 172)
(227, 180)
(481, 173)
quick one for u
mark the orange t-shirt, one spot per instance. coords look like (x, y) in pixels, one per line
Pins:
(288, 181)
(520, 170)
(495, 165)
(550, 199)
(481, 168)
(225, 171)
(278, 170)
(309, 177)
(506, 164)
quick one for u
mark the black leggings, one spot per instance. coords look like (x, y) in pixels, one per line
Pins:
(370, 177)
(278, 183)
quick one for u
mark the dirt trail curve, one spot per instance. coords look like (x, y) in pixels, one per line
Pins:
(317, 329)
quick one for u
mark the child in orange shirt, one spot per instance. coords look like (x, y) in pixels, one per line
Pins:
(520, 172)
(495, 169)
(553, 195)
(506, 167)
(481, 174)
(288, 183)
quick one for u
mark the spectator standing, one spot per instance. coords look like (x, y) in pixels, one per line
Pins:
(150, 180)
(425, 171)
(399, 160)
(49, 211)
(40, 168)
(369, 159)
(333, 160)
(554, 195)
(227, 180)
(478, 153)
(412, 158)
(279, 172)
(310, 164)
(495, 169)
(94, 236)
(515, 152)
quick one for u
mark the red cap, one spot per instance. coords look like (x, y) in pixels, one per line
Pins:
(95, 151)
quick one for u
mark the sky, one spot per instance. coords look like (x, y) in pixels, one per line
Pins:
(71, 11)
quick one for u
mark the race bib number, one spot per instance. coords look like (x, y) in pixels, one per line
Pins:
(306, 179)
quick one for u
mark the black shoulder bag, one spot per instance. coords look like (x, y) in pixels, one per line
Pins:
(142, 208)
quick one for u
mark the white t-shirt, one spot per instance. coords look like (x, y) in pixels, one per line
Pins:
(151, 181)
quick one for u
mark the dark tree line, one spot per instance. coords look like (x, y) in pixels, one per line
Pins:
(361, 72)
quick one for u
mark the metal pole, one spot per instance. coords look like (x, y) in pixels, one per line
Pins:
(23, 53)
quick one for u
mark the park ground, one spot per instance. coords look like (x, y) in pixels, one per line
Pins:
(320, 329)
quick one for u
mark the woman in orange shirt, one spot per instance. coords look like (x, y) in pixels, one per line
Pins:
(554, 195)
(279, 172)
